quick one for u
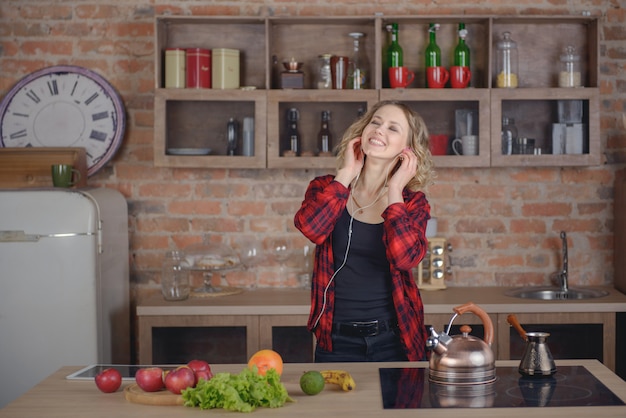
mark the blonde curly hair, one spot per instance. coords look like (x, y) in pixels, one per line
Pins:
(418, 142)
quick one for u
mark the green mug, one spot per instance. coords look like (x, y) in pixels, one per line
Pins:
(62, 175)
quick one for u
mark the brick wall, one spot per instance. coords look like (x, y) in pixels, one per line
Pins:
(502, 223)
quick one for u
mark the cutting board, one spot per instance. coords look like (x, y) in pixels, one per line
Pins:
(135, 394)
(30, 167)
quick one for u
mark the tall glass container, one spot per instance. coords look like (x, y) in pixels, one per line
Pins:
(569, 76)
(506, 62)
(174, 278)
(358, 77)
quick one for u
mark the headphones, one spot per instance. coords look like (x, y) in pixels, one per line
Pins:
(345, 256)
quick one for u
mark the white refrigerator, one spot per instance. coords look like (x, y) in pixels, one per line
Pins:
(64, 283)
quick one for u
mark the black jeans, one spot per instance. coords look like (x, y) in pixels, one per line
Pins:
(382, 347)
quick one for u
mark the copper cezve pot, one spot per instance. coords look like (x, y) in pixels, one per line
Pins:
(462, 359)
(537, 359)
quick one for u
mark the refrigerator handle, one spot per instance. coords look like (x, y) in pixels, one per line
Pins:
(100, 250)
(18, 236)
(21, 236)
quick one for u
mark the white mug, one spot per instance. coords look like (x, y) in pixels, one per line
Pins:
(468, 144)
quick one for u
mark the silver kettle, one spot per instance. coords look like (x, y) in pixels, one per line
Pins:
(462, 359)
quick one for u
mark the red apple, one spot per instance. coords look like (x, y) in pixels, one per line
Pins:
(201, 369)
(203, 374)
(109, 380)
(180, 379)
(196, 365)
(150, 379)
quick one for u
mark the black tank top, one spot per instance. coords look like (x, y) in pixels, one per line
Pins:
(363, 285)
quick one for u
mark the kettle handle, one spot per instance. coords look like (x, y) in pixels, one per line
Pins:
(487, 323)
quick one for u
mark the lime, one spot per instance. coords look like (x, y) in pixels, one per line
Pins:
(312, 382)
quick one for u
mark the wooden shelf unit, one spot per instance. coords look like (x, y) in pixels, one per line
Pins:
(197, 118)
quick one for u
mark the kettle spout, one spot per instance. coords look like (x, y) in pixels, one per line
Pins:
(437, 342)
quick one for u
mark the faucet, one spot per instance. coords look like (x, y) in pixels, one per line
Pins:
(563, 274)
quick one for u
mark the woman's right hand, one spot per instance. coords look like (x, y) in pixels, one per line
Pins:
(353, 161)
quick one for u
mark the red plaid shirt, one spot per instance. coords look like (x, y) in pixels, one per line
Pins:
(404, 236)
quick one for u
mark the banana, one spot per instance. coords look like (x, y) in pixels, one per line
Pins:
(339, 377)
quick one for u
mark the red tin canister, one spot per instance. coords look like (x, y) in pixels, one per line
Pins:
(198, 68)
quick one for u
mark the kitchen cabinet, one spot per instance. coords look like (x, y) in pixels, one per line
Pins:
(196, 118)
(224, 339)
(188, 119)
(176, 339)
(263, 318)
(344, 107)
(276, 318)
(288, 335)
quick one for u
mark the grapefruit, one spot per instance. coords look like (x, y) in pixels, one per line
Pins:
(264, 360)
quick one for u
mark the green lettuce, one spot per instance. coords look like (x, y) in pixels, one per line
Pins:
(242, 392)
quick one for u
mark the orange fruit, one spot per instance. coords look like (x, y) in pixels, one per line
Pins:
(264, 360)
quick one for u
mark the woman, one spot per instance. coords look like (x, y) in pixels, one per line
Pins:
(369, 224)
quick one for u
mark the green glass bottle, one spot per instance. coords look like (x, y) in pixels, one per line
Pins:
(461, 51)
(394, 52)
(433, 52)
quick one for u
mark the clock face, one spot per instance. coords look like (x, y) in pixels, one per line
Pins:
(64, 106)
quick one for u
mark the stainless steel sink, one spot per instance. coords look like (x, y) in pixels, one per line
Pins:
(555, 293)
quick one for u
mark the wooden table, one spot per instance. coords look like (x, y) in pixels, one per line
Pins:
(58, 397)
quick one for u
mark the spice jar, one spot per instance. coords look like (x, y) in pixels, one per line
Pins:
(506, 62)
(569, 75)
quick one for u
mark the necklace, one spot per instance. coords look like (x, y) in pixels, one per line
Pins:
(362, 208)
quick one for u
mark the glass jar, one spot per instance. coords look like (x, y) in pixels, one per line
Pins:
(174, 278)
(324, 80)
(569, 75)
(506, 62)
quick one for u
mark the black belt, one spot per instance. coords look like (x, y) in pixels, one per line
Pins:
(363, 329)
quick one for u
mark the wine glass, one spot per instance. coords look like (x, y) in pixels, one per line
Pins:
(250, 251)
(281, 251)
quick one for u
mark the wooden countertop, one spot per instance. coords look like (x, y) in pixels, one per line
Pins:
(297, 302)
(58, 397)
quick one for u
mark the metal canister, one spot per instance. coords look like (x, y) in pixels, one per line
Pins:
(225, 68)
(175, 68)
(248, 137)
(198, 68)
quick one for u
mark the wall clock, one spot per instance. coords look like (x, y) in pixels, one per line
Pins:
(64, 106)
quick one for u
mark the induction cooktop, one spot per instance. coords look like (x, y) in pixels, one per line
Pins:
(406, 388)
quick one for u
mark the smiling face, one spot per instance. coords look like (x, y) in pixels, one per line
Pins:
(387, 134)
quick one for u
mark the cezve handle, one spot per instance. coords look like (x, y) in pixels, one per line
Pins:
(512, 320)
(471, 307)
